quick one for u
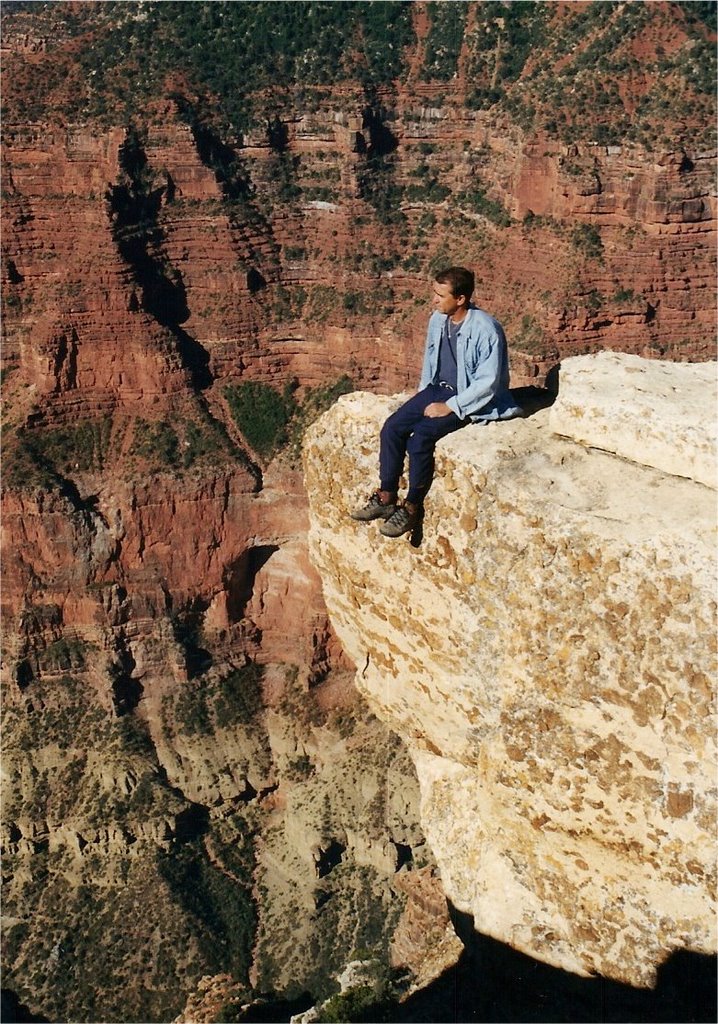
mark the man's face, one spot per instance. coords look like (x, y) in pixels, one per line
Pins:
(444, 301)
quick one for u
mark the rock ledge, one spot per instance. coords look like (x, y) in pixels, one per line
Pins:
(547, 654)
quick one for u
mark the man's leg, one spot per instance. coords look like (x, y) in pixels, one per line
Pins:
(396, 432)
(421, 446)
(392, 453)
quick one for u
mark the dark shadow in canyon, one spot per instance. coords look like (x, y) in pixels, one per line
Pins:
(239, 578)
(253, 236)
(382, 140)
(191, 823)
(12, 1011)
(134, 205)
(328, 858)
(194, 358)
(493, 982)
(187, 624)
(126, 690)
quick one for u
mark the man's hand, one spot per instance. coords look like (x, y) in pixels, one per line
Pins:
(437, 409)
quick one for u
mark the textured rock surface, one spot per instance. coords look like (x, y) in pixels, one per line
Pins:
(654, 413)
(547, 654)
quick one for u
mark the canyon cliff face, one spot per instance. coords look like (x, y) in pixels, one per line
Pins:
(547, 653)
(258, 286)
(177, 709)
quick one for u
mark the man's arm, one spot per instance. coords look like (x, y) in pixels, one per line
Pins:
(427, 370)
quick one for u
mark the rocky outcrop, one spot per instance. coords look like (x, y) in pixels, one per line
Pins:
(646, 412)
(547, 654)
(147, 265)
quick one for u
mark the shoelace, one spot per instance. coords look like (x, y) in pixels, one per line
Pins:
(400, 516)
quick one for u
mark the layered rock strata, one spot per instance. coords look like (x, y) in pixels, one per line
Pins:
(547, 654)
(597, 247)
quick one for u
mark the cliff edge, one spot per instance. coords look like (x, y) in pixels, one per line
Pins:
(547, 654)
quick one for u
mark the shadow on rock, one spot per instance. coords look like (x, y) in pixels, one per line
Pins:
(492, 982)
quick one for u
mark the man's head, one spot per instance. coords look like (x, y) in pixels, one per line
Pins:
(453, 289)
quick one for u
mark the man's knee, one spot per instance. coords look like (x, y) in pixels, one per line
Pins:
(397, 425)
(421, 441)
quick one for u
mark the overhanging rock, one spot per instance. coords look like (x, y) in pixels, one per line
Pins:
(547, 653)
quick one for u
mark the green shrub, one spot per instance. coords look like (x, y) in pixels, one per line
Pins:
(477, 200)
(443, 43)
(80, 447)
(262, 414)
(428, 192)
(625, 295)
(594, 300)
(586, 238)
(349, 1006)
(378, 187)
(223, 911)
(322, 301)
(192, 711)
(315, 402)
(156, 442)
(357, 302)
(66, 654)
(529, 337)
(239, 696)
(205, 440)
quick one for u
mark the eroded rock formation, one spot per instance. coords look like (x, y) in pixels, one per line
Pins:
(175, 698)
(547, 653)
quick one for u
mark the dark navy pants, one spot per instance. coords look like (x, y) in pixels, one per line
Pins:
(409, 431)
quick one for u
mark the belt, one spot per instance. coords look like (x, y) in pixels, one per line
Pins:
(443, 384)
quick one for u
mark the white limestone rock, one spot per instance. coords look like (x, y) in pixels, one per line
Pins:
(655, 413)
(548, 656)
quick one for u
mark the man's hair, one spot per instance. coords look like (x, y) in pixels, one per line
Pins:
(459, 279)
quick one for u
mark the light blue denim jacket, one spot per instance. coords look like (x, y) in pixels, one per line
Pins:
(482, 365)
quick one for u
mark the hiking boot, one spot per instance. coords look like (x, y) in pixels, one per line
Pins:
(374, 509)
(404, 520)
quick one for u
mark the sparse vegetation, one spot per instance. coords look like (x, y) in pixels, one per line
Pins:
(239, 696)
(443, 43)
(315, 402)
(157, 442)
(231, 51)
(477, 200)
(586, 239)
(529, 336)
(272, 420)
(81, 447)
(262, 414)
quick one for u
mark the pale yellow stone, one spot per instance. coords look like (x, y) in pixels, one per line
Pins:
(551, 673)
(656, 413)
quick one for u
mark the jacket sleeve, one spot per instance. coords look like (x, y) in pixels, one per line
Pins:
(483, 370)
(426, 370)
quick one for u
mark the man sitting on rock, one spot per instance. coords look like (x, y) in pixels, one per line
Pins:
(465, 379)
